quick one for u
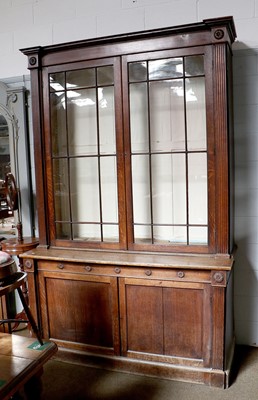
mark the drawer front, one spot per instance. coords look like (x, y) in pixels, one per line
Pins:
(126, 271)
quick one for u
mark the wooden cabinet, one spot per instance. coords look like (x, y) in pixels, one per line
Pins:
(134, 147)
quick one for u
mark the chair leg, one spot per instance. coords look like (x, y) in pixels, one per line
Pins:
(30, 316)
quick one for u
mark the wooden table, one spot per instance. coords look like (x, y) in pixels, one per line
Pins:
(21, 358)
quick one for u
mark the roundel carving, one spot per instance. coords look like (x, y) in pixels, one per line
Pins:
(32, 60)
(219, 34)
(28, 264)
(218, 277)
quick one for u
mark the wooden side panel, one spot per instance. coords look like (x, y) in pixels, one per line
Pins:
(221, 144)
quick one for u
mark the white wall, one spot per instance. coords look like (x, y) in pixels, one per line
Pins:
(25, 23)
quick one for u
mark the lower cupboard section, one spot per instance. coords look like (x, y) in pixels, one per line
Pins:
(176, 328)
(162, 320)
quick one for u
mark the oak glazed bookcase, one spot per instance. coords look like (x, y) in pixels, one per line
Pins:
(133, 149)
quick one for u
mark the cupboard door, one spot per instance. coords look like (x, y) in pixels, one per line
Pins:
(169, 147)
(165, 320)
(80, 309)
(84, 146)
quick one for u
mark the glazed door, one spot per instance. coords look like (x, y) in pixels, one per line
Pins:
(84, 147)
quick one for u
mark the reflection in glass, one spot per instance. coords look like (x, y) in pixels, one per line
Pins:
(142, 234)
(57, 81)
(82, 122)
(58, 124)
(106, 114)
(198, 235)
(84, 189)
(194, 65)
(167, 118)
(80, 78)
(169, 189)
(138, 71)
(139, 117)
(5, 165)
(141, 189)
(196, 114)
(110, 233)
(178, 235)
(197, 186)
(166, 68)
(105, 75)
(170, 234)
(63, 230)
(89, 232)
(108, 182)
(61, 189)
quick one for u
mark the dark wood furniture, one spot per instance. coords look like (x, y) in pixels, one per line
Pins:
(15, 247)
(21, 359)
(133, 141)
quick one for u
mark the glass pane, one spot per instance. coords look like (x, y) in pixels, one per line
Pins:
(58, 124)
(194, 65)
(109, 189)
(139, 117)
(105, 75)
(84, 190)
(142, 234)
(197, 186)
(57, 81)
(138, 71)
(170, 235)
(162, 234)
(178, 235)
(169, 189)
(167, 68)
(63, 231)
(5, 161)
(82, 122)
(61, 189)
(110, 233)
(89, 232)
(141, 189)
(107, 130)
(196, 113)
(198, 235)
(167, 117)
(80, 78)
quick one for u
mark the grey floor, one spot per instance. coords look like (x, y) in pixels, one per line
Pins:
(65, 381)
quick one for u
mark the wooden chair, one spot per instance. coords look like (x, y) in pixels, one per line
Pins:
(11, 279)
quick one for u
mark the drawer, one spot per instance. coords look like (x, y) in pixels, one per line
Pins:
(189, 275)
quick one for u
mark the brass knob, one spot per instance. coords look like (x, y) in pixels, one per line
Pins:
(88, 268)
(148, 272)
(117, 270)
(60, 266)
(180, 274)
